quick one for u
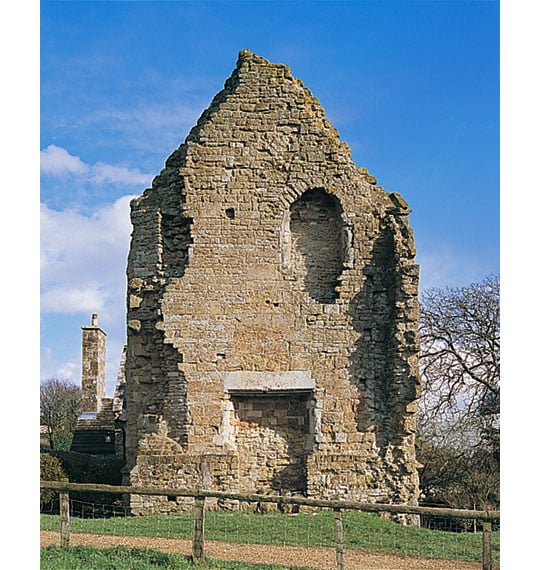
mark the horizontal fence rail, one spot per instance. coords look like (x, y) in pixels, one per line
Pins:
(200, 495)
(254, 498)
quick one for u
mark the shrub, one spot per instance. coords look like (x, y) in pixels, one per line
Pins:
(50, 469)
(87, 468)
(62, 440)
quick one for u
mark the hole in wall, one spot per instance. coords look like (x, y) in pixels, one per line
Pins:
(230, 213)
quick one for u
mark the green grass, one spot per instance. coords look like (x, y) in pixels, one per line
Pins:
(122, 558)
(364, 531)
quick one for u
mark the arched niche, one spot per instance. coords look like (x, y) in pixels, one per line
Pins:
(313, 244)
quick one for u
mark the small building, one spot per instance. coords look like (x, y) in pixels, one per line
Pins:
(100, 426)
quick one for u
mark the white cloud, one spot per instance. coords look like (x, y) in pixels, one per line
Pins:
(67, 370)
(151, 118)
(57, 161)
(447, 268)
(83, 258)
(71, 299)
(150, 130)
(83, 271)
(102, 173)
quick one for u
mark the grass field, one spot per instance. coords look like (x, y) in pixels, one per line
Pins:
(362, 531)
(121, 558)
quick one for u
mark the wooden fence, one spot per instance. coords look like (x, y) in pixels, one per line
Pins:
(200, 496)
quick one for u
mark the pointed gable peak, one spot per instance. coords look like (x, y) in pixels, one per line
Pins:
(245, 55)
(257, 67)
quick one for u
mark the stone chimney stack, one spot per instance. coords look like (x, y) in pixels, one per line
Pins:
(93, 366)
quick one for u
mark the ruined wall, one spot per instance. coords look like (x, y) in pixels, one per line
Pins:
(272, 307)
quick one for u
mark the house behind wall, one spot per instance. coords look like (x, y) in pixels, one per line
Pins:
(272, 309)
(99, 429)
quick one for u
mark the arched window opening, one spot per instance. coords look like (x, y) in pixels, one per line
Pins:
(317, 248)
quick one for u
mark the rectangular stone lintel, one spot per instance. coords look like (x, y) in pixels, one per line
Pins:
(256, 382)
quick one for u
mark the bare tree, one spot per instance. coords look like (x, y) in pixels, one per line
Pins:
(60, 404)
(458, 417)
(460, 351)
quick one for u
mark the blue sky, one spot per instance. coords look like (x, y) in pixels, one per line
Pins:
(412, 87)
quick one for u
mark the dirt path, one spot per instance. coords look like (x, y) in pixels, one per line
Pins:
(313, 557)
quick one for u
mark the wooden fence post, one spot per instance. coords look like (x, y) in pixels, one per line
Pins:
(64, 518)
(486, 545)
(340, 542)
(198, 531)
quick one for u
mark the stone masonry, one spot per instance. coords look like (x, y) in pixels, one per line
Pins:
(271, 309)
(93, 366)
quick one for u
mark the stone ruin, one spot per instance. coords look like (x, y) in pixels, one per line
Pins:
(272, 309)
